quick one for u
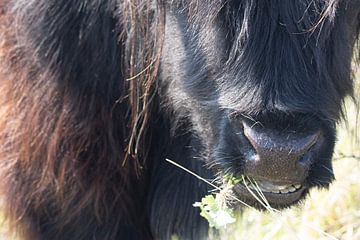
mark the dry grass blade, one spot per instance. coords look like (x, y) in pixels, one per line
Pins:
(262, 196)
(206, 181)
(254, 194)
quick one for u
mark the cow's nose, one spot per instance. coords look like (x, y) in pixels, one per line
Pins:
(280, 156)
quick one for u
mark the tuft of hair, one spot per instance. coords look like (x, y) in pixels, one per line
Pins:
(74, 112)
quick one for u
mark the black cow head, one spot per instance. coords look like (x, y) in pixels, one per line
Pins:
(261, 83)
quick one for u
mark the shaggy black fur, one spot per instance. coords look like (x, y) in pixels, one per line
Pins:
(97, 93)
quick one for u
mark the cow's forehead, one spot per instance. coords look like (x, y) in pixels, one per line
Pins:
(285, 53)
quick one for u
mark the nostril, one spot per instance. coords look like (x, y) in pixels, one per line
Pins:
(305, 161)
(266, 141)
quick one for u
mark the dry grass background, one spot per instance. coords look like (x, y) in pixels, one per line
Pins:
(333, 214)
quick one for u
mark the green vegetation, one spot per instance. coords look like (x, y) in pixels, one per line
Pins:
(214, 207)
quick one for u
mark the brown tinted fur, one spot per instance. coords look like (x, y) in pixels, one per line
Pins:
(59, 145)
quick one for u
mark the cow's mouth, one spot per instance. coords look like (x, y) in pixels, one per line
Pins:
(269, 194)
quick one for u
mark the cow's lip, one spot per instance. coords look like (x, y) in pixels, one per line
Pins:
(274, 193)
